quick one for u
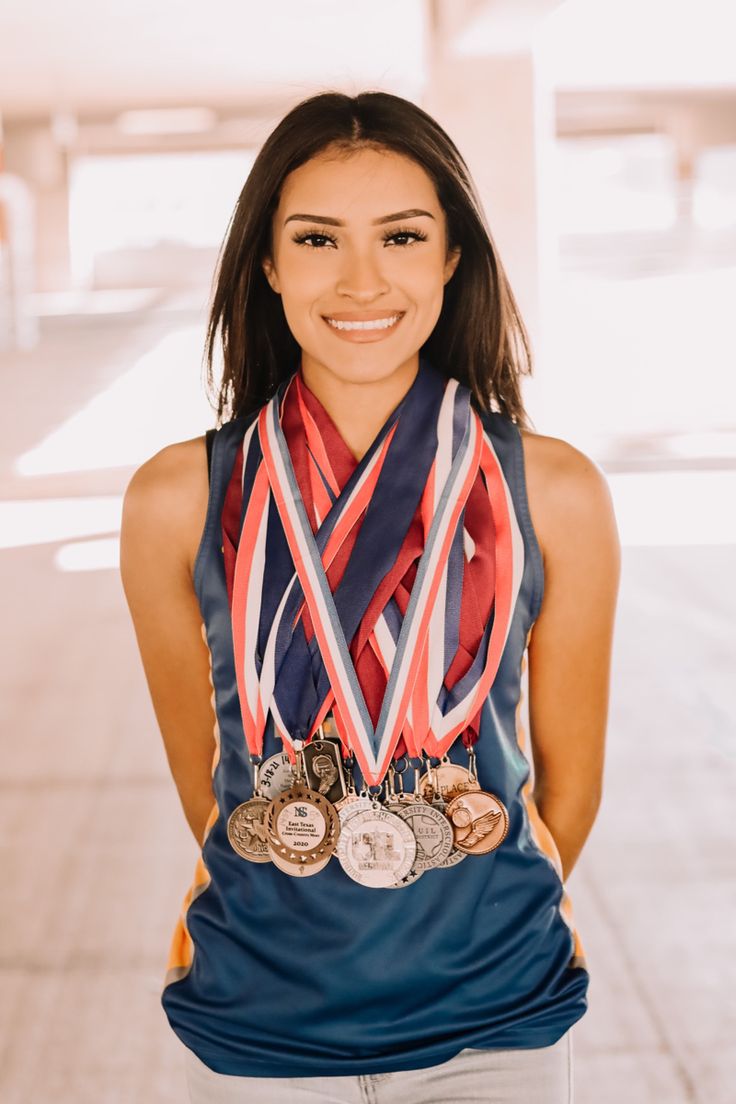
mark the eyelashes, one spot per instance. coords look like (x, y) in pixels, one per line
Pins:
(304, 237)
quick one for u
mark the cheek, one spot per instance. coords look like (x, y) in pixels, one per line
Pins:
(422, 274)
(304, 279)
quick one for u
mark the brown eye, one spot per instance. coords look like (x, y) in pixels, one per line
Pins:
(304, 239)
(417, 235)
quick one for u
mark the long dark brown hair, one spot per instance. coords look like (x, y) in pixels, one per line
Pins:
(479, 338)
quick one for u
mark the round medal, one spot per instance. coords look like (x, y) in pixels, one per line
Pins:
(302, 822)
(479, 821)
(432, 830)
(376, 848)
(246, 829)
(275, 774)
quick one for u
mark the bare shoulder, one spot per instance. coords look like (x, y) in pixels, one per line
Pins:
(166, 499)
(568, 492)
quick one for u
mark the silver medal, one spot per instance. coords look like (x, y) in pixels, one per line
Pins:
(276, 774)
(431, 828)
(376, 847)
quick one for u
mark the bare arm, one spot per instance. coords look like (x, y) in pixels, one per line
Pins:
(571, 642)
(164, 510)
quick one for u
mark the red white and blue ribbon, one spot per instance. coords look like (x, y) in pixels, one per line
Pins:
(429, 454)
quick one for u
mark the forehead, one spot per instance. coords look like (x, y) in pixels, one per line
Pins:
(362, 185)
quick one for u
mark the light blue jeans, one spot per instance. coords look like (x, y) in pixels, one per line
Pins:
(541, 1075)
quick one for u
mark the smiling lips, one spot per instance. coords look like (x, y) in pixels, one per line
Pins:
(368, 323)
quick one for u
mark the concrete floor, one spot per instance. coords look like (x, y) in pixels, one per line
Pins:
(96, 854)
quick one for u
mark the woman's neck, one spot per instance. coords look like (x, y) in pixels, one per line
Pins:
(358, 408)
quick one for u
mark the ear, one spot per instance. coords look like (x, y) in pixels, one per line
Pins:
(453, 259)
(270, 274)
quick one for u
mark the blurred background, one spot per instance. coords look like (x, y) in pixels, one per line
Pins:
(602, 138)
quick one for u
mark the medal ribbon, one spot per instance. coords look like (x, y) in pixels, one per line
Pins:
(297, 678)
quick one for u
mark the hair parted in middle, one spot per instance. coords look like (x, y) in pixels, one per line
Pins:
(479, 338)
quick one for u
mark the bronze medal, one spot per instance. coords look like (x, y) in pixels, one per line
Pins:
(303, 823)
(246, 829)
(479, 821)
(446, 781)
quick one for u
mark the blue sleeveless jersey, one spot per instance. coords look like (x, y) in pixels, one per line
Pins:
(275, 976)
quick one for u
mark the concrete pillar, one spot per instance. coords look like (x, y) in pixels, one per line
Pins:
(498, 107)
(32, 153)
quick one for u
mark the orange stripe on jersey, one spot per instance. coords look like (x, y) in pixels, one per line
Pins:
(541, 834)
(181, 949)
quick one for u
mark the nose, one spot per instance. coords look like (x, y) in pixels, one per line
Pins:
(361, 277)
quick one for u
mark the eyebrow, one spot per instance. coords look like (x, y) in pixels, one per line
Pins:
(325, 220)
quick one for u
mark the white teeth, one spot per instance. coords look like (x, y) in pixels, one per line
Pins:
(378, 324)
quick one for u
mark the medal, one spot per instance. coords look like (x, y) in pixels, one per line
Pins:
(302, 826)
(246, 829)
(323, 768)
(376, 848)
(276, 774)
(302, 821)
(431, 828)
(479, 821)
(437, 788)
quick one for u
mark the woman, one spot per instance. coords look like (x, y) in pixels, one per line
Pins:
(334, 603)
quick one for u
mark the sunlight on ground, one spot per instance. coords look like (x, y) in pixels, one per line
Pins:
(156, 402)
(93, 555)
(46, 520)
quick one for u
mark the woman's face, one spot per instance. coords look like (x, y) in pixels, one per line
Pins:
(341, 253)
